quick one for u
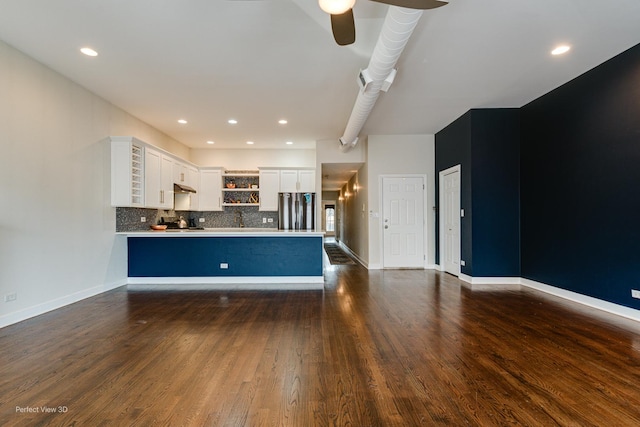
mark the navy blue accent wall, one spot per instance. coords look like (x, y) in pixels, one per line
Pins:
(495, 153)
(485, 143)
(580, 176)
(246, 256)
(453, 147)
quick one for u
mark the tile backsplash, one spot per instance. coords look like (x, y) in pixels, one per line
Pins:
(128, 219)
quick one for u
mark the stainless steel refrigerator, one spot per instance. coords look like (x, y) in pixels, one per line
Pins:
(296, 211)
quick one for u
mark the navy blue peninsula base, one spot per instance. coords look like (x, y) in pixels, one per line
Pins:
(270, 259)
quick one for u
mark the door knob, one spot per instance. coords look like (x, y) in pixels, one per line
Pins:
(386, 226)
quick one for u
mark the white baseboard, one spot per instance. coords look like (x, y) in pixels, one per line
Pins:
(479, 283)
(490, 280)
(225, 287)
(599, 304)
(246, 282)
(45, 307)
(353, 254)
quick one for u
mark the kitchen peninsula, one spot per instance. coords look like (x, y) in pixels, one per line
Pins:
(228, 257)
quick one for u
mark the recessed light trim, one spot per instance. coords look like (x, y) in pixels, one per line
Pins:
(211, 142)
(289, 142)
(182, 121)
(88, 51)
(250, 142)
(283, 121)
(562, 49)
(232, 121)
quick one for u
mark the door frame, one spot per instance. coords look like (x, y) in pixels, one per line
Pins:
(441, 232)
(333, 203)
(425, 247)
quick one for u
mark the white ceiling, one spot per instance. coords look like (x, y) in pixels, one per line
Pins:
(263, 60)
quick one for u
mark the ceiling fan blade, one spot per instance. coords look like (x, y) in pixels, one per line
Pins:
(343, 27)
(414, 4)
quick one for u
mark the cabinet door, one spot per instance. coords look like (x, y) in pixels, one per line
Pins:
(166, 182)
(158, 180)
(180, 173)
(152, 192)
(193, 180)
(269, 187)
(307, 181)
(288, 181)
(210, 190)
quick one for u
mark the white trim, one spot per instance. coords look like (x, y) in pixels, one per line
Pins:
(353, 254)
(477, 283)
(441, 241)
(45, 307)
(269, 282)
(224, 286)
(490, 280)
(596, 303)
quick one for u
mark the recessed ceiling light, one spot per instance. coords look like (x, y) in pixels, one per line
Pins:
(250, 142)
(210, 142)
(182, 121)
(561, 49)
(289, 142)
(282, 122)
(88, 51)
(232, 121)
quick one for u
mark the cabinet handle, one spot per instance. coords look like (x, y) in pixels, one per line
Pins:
(161, 196)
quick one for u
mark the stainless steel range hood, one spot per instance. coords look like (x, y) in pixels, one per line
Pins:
(181, 188)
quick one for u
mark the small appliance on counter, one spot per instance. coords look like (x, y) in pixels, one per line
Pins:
(296, 211)
(178, 223)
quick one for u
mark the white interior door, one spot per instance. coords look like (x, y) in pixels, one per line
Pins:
(450, 220)
(403, 222)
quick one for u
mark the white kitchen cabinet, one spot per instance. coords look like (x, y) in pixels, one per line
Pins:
(193, 181)
(210, 191)
(127, 172)
(269, 188)
(188, 175)
(307, 181)
(158, 179)
(301, 180)
(179, 172)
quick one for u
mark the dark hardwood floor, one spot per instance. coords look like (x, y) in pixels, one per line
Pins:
(379, 348)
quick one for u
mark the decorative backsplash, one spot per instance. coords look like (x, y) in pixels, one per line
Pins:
(128, 219)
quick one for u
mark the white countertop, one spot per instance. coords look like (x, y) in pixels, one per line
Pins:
(223, 232)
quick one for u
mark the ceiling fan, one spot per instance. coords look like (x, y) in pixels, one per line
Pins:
(341, 11)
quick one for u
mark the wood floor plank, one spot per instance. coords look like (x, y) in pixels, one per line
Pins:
(375, 348)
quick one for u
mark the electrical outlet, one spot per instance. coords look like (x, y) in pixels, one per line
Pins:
(264, 220)
(635, 293)
(462, 263)
(10, 297)
(201, 219)
(224, 265)
(143, 219)
(270, 220)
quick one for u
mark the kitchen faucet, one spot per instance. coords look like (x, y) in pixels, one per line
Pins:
(239, 219)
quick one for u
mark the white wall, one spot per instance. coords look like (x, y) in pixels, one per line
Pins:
(399, 154)
(250, 159)
(57, 242)
(355, 215)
